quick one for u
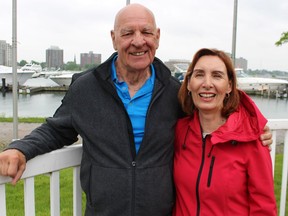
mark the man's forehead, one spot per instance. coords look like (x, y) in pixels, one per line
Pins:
(134, 14)
(137, 23)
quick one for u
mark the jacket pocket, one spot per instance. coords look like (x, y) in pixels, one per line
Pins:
(210, 171)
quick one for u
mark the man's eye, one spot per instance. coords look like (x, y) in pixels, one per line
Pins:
(147, 33)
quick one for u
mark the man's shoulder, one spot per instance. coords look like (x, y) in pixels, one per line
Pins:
(77, 75)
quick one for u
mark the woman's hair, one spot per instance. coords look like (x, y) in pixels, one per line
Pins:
(230, 103)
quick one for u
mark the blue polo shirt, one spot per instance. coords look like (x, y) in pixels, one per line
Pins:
(136, 106)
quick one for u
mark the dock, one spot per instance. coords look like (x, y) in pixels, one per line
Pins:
(32, 90)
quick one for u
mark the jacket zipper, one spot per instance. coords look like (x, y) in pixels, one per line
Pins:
(133, 188)
(199, 176)
(133, 151)
(210, 171)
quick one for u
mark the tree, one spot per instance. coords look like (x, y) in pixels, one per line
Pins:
(43, 64)
(71, 66)
(22, 63)
(34, 62)
(283, 39)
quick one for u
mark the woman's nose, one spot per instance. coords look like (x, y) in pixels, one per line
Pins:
(207, 83)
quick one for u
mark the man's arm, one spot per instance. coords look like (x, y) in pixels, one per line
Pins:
(13, 164)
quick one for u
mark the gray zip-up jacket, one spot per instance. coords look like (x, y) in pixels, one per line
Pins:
(117, 182)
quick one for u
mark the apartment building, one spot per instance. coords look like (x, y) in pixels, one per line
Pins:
(89, 59)
(5, 53)
(54, 58)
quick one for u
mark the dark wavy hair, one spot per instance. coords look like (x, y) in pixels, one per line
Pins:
(230, 103)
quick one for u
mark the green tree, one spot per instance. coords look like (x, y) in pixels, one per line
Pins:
(283, 39)
(34, 62)
(43, 64)
(22, 63)
(88, 66)
(71, 66)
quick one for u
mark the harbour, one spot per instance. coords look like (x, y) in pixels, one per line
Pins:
(40, 96)
(44, 104)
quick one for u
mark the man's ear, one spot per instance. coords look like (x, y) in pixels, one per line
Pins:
(112, 33)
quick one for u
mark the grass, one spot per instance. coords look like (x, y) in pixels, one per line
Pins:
(15, 202)
(278, 179)
(15, 199)
(24, 120)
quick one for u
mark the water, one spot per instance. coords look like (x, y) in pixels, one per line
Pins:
(45, 104)
(34, 105)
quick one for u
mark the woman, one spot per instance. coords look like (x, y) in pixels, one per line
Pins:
(220, 165)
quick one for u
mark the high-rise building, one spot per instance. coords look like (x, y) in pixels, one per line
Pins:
(54, 58)
(89, 59)
(240, 62)
(5, 53)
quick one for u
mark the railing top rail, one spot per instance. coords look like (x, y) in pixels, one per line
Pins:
(53, 161)
(278, 124)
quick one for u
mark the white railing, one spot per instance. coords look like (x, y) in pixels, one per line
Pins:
(50, 163)
(53, 162)
(280, 124)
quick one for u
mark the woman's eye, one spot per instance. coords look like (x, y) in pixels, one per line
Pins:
(199, 75)
(218, 75)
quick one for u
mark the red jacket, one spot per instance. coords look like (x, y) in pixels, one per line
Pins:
(226, 173)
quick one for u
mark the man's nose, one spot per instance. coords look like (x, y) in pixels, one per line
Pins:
(138, 40)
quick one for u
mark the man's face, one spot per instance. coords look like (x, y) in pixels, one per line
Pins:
(136, 39)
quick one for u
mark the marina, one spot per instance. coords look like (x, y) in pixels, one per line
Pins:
(44, 104)
(32, 79)
(6, 76)
(40, 95)
(261, 85)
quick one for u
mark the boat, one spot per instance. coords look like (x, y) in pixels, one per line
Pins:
(180, 70)
(260, 84)
(7, 75)
(33, 67)
(64, 78)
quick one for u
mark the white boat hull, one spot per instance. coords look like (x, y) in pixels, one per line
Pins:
(22, 76)
(261, 84)
(63, 79)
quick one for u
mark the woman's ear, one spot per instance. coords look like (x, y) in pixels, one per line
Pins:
(229, 87)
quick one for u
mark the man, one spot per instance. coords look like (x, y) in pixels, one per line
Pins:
(110, 107)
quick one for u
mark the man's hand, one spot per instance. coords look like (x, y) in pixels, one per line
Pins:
(266, 137)
(13, 164)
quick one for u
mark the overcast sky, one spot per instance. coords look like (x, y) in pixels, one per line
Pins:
(80, 26)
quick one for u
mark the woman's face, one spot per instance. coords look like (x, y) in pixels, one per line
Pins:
(209, 84)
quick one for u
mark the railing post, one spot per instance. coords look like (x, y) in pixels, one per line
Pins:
(29, 196)
(3, 200)
(77, 192)
(55, 193)
(273, 150)
(284, 176)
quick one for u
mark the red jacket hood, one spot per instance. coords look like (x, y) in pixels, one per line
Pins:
(247, 121)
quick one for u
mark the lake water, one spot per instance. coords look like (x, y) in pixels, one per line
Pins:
(45, 104)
